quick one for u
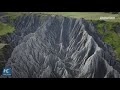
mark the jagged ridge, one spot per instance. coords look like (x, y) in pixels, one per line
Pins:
(61, 48)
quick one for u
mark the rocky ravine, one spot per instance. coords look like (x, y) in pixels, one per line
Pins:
(59, 47)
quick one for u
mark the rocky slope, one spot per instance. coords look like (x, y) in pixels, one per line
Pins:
(59, 47)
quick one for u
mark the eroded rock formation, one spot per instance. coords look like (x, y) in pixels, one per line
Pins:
(59, 47)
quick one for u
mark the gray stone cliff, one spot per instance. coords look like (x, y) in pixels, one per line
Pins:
(59, 47)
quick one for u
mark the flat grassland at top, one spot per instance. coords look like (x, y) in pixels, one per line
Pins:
(87, 15)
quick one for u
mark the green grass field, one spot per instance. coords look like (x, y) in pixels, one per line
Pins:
(87, 15)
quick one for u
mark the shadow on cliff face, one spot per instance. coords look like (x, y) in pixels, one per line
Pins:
(5, 53)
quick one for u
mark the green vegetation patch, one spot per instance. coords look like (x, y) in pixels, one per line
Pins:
(2, 45)
(5, 28)
(110, 34)
(13, 15)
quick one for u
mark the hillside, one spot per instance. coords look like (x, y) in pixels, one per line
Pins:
(60, 45)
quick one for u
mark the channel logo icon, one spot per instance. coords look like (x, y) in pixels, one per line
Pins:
(7, 72)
